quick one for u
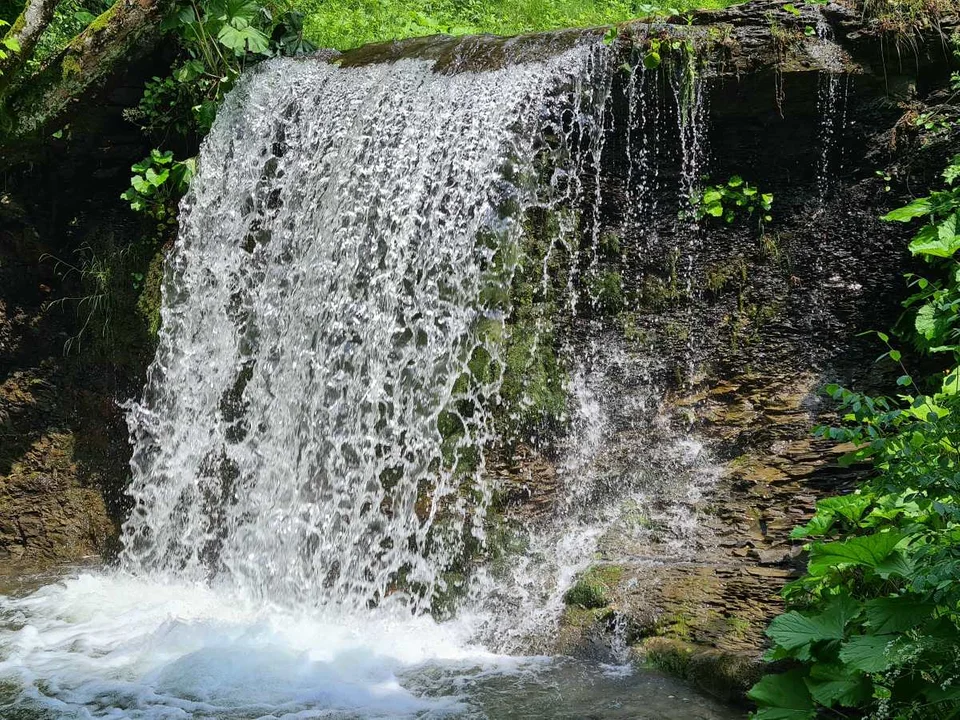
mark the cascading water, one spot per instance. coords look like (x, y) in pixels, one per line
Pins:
(622, 459)
(831, 106)
(324, 304)
(308, 467)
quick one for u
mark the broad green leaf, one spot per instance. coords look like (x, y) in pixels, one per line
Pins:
(896, 564)
(866, 550)
(867, 653)
(244, 39)
(161, 158)
(852, 507)
(918, 208)
(819, 524)
(832, 684)
(793, 629)
(12, 44)
(140, 185)
(157, 178)
(895, 614)
(651, 60)
(783, 697)
(232, 11)
(295, 44)
(937, 240)
(189, 71)
(711, 196)
(925, 409)
(735, 181)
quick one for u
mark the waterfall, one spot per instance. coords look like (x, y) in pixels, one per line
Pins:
(371, 258)
(831, 107)
(327, 293)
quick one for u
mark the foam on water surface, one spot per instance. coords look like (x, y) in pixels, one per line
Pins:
(107, 645)
(110, 645)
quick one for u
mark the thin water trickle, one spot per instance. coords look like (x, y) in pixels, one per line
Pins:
(831, 104)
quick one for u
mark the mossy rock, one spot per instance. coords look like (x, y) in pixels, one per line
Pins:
(148, 304)
(724, 675)
(607, 290)
(594, 588)
(730, 274)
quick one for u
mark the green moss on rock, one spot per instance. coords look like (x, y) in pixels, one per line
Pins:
(607, 290)
(148, 304)
(722, 276)
(667, 655)
(594, 588)
(725, 675)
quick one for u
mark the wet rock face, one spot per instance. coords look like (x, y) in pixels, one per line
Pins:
(67, 358)
(724, 333)
(57, 422)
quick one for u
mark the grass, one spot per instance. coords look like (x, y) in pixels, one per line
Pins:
(344, 24)
(905, 16)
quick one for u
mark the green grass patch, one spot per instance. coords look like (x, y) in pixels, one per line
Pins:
(346, 24)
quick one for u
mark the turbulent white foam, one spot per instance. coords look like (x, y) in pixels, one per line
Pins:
(114, 646)
(110, 646)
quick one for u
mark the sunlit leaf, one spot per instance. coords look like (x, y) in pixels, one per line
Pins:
(783, 697)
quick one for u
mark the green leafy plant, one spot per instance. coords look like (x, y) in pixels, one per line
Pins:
(7, 44)
(934, 121)
(219, 38)
(166, 106)
(157, 185)
(731, 199)
(874, 626)
(885, 177)
(94, 304)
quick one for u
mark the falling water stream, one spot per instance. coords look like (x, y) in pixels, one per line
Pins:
(297, 509)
